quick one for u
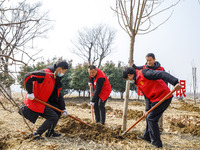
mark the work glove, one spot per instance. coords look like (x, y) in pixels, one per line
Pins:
(92, 103)
(65, 112)
(31, 96)
(89, 84)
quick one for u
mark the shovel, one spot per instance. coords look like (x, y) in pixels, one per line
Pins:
(61, 111)
(91, 91)
(177, 87)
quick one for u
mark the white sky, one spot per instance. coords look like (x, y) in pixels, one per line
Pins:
(176, 44)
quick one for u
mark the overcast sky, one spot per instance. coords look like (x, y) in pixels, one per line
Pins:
(176, 44)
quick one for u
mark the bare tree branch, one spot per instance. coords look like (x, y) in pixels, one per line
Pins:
(94, 44)
(20, 24)
(138, 20)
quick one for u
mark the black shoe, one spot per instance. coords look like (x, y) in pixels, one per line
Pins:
(37, 136)
(143, 138)
(52, 134)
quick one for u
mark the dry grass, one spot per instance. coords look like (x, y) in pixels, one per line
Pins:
(13, 131)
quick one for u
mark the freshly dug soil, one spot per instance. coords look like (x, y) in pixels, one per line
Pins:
(189, 107)
(177, 125)
(70, 104)
(96, 132)
(85, 106)
(3, 144)
(108, 108)
(135, 103)
(134, 114)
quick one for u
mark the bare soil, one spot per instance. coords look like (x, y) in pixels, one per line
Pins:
(181, 128)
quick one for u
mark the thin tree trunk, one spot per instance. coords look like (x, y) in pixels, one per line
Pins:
(83, 93)
(126, 105)
(100, 60)
(128, 84)
(122, 95)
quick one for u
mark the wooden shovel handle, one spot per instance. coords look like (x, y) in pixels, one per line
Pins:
(177, 87)
(38, 100)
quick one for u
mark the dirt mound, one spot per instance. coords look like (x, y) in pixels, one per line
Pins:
(187, 128)
(108, 108)
(135, 103)
(84, 106)
(131, 114)
(71, 104)
(3, 145)
(134, 114)
(3, 142)
(96, 132)
(189, 107)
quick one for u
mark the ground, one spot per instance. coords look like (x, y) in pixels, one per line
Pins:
(181, 128)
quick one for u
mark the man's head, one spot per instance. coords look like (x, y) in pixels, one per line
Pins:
(150, 57)
(92, 71)
(129, 73)
(61, 68)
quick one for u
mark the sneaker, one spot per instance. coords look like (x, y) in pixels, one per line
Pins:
(37, 136)
(143, 138)
(52, 134)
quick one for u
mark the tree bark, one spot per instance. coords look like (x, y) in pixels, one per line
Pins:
(126, 105)
(122, 94)
(83, 93)
(127, 83)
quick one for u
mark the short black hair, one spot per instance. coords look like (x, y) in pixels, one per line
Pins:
(62, 64)
(92, 67)
(151, 55)
(129, 70)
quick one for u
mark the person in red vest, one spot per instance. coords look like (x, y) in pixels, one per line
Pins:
(46, 86)
(151, 83)
(155, 65)
(102, 89)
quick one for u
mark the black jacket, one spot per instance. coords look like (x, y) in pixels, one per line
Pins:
(99, 86)
(53, 99)
(155, 75)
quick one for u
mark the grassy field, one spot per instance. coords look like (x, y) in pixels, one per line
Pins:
(181, 128)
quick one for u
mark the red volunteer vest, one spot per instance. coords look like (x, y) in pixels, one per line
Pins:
(41, 91)
(154, 90)
(159, 68)
(106, 89)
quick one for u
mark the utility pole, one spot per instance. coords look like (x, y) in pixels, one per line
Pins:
(194, 82)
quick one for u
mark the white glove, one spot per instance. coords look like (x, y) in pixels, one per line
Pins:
(31, 96)
(91, 103)
(65, 112)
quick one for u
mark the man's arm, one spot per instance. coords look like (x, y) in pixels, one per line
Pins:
(29, 78)
(137, 67)
(147, 103)
(61, 102)
(99, 86)
(155, 75)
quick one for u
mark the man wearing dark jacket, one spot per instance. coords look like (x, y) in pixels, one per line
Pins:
(46, 86)
(155, 65)
(151, 83)
(102, 90)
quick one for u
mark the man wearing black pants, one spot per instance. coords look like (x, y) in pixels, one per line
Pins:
(151, 63)
(151, 83)
(102, 90)
(46, 86)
